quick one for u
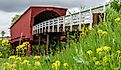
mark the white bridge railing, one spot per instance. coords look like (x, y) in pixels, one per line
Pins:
(59, 24)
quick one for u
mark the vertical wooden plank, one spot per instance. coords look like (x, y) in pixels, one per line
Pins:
(39, 28)
(45, 26)
(49, 26)
(71, 22)
(20, 38)
(42, 27)
(71, 27)
(91, 20)
(47, 43)
(80, 21)
(33, 30)
(63, 23)
(104, 8)
(53, 25)
(58, 24)
(36, 29)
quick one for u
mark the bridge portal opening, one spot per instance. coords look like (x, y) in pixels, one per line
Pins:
(46, 15)
(43, 16)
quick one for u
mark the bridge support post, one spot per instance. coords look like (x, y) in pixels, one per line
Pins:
(80, 20)
(29, 49)
(71, 28)
(79, 27)
(47, 43)
(39, 42)
(104, 13)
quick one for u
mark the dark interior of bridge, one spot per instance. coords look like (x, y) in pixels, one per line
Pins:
(46, 15)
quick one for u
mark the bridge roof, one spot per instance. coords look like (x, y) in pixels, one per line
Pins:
(42, 6)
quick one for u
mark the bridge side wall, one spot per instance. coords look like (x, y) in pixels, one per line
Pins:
(21, 27)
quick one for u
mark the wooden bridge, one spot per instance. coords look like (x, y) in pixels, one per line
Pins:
(61, 24)
(50, 23)
(69, 23)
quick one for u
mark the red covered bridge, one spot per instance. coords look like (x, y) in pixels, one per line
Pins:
(50, 23)
(22, 28)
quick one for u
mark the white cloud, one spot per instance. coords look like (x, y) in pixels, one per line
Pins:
(5, 21)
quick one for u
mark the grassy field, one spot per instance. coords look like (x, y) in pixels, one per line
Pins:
(100, 49)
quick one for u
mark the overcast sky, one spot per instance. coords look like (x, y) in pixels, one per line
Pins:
(8, 8)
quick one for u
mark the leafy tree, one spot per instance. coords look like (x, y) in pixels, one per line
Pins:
(15, 18)
(2, 33)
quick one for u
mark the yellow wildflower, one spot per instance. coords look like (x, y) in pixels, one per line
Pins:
(25, 62)
(97, 62)
(65, 65)
(54, 65)
(5, 64)
(106, 48)
(104, 33)
(21, 46)
(25, 43)
(99, 31)
(118, 51)
(1, 54)
(25, 48)
(104, 59)
(37, 64)
(37, 57)
(5, 42)
(17, 48)
(57, 63)
(89, 52)
(99, 50)
(12, 57)
(18, 58)
(117, 20)
(12, 66)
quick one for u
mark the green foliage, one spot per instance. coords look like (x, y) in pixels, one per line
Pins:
(4, 48)
(112, 12)
(15, 18)
(116, 4)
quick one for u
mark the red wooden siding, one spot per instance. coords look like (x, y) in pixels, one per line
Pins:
(21, 26)
(25, 23)
(37, 10)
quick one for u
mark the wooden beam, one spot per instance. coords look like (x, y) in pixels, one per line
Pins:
(47, 43)
(80, 21)
(91, 18)
(104, 8)
(29, 49)
(39, 42)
